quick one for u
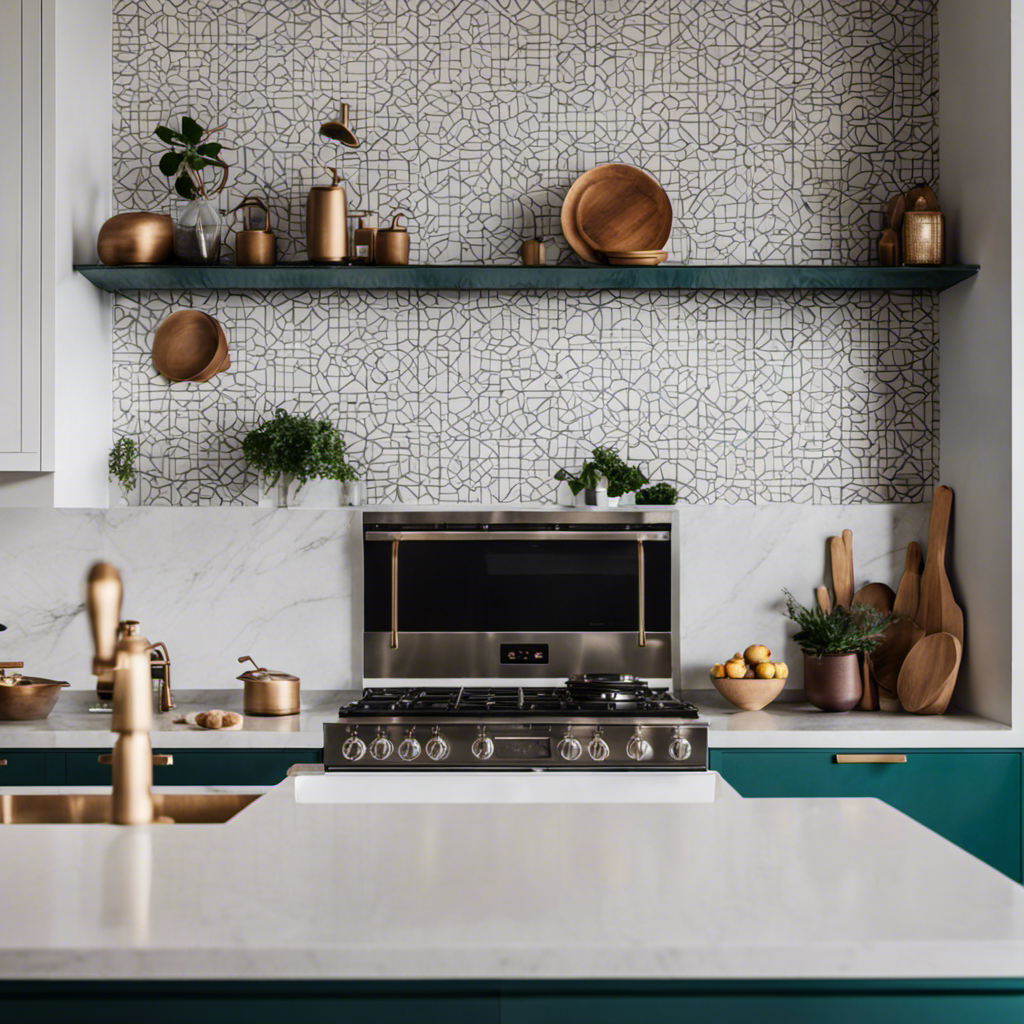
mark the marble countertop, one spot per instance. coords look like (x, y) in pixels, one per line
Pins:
(730, 889)
(786, 723)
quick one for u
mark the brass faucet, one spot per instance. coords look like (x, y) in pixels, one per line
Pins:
(125, 662)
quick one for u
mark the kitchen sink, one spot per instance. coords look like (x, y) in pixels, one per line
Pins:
(94, 808)
(500, 787)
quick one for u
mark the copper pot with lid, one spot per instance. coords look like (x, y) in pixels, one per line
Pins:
(268, 692)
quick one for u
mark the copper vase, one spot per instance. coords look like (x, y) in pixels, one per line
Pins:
(833, 682)
(133, 239)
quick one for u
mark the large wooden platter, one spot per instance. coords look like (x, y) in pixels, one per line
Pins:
(615, 207)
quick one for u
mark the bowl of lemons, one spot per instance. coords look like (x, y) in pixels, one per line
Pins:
(750, 680)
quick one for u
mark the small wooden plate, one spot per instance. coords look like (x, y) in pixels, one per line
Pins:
(615, 207)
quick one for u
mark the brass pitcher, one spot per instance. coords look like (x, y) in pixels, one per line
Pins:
(327, 221)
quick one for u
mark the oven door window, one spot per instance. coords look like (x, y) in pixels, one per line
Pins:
(517, 586)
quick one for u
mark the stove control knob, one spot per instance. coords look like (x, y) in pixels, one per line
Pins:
(437, 746)
(409, 749)
(483, 746)
(597, 748)
(679, 749)
(381, 748)
(570, 748)
(353, 748)
(638, 749)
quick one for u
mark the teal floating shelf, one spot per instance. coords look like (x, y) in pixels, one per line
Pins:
(448, 277)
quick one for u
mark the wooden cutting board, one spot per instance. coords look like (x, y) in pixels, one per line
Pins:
(937, 611)
(908, 593)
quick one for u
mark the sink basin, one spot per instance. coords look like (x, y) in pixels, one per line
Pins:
(94, 808)
(506, 788)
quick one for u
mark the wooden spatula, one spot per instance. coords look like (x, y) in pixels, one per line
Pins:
(842, 571)
(824, 603)
(901, 634)
(881, 597)
(929, 674)
(937, 611)
(908, 593)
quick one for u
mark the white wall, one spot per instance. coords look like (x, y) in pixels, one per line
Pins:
(976, 333)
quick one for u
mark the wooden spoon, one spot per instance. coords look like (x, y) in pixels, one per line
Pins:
(929, 674)
(902, 633)
(842, 572)
(908, 593)
(823, 600)
(880, 597)
(937, 611)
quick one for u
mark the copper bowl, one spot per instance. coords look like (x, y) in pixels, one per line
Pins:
(30, 700)
(136, 238)
(190, 346)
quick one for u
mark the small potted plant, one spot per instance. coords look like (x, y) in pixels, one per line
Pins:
(657, 494)
(605, 480)
(290, 450)
(832, 644)
(121, 466)
(198, 227)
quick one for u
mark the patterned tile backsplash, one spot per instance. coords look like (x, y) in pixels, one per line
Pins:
(778, 130)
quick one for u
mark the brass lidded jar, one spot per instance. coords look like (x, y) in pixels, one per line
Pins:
(269, 693)
(327, 222)
(924, 241)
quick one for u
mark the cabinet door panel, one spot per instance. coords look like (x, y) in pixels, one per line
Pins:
(199, 767)
(31, 767)
(972, 798)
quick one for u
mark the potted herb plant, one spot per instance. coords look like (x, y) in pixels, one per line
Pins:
(604, 480)
(290, 450)
(832, 644)
(198, 227)
(121, 466)
(657, 494)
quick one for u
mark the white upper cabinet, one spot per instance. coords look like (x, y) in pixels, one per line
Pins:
(26, 417)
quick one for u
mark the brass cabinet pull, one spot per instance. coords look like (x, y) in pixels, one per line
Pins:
(159, 760)
(394, 593)
(3, 762)
(641, 636)
(871, 758)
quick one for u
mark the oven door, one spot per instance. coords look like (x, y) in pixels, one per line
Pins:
(542, 602)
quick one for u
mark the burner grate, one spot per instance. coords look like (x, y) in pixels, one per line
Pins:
(481, 701)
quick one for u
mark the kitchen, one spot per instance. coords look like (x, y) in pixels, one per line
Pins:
(774, 370)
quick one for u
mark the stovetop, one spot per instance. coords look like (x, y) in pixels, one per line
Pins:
(513, 701)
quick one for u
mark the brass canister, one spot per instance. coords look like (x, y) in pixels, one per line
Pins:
(393, 245)
(269, 693)
(327, 222)
(254, 246)
(924, 236)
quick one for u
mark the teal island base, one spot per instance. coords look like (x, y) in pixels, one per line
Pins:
(942, 1001)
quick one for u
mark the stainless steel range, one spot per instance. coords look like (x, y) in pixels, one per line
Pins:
(590, 722)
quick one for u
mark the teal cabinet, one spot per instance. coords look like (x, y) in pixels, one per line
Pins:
(971, 797)
(31, 767)
(199, 767)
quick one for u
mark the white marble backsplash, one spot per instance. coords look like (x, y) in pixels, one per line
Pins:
(214, 584)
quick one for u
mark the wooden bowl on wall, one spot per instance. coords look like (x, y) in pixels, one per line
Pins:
(190, 346)
(136, 238)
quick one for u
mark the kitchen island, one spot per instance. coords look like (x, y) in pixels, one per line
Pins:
(510, 911)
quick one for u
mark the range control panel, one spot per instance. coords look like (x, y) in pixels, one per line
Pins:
(524, 654)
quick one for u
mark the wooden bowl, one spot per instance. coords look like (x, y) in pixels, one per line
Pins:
(29, 701)
(136, 238)
(749, 694)
(190, 345)
(634, 260)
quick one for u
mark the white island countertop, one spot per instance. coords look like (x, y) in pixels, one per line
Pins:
(788, 723)
(734, 889)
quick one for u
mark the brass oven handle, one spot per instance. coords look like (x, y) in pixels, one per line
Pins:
(159, 760)
(394, 593)
(641, 636)
(871, 758)
(531, 535)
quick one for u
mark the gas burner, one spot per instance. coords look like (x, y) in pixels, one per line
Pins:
(517, 727)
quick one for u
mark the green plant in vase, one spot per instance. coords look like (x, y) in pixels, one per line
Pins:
(121, 464)
(293, 448)
(606, 466)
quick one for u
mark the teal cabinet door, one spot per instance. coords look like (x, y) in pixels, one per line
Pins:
(31, 767)
(199, 767)
(971, 797)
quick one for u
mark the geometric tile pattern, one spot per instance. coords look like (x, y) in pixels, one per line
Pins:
(777, 129)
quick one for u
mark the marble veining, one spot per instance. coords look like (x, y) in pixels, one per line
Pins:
(778, 131)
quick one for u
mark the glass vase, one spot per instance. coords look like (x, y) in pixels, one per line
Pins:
(198, 230)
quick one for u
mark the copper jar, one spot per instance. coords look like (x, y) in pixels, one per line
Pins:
(131, 239)
(327, 222)
(833, 682)
(254, 246)
(269, 693)
(392, 245)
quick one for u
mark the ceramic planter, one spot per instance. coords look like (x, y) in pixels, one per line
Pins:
(833, 682)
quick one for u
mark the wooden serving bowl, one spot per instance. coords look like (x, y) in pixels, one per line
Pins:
(132, 239)
(749, 694)
(29, 701)
(190, 346)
